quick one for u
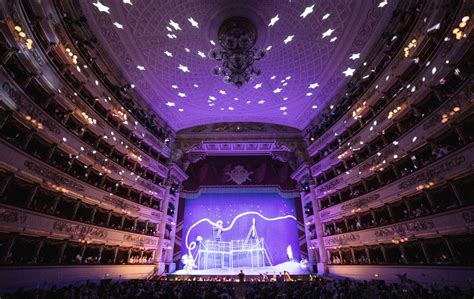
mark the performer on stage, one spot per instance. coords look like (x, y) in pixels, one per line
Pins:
(241, 276)
(217, 231)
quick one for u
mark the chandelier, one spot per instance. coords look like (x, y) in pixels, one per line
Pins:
(237, 36)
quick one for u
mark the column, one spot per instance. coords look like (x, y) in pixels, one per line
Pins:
(61, 251)
(37, 250)
(353, 256)
(323, 257)
(384, 253)
(456, 193)
(109, 215)
(425, 251)
(31, 195)
(8, 249)
(161, 230)
(115, 255)
(76, 207)
(390, 213)
(453, 254)
(94, 210)
(367, 253)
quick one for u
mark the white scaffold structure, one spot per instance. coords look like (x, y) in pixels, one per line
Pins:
(218, 254)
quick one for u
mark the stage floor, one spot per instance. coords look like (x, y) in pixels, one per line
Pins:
(293, 267)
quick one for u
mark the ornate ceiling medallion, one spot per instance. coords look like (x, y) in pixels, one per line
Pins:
(237, 36)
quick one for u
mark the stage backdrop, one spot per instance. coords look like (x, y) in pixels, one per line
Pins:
(277, 233)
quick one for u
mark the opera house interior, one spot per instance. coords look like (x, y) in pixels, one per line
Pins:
(236, 149)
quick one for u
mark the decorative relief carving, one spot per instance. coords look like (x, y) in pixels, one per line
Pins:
(389, 151)
(239, 175)
(79, 231)
(405, 228)
(52, 175)
(360, 202)
(120, 203)
(25, 106)
(432, 172)
(140, 240)
(10, 216)
(342, 239)
(324, 214)
(331, 185)
(468, 216)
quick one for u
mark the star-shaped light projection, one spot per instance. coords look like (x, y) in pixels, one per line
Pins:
(349, 72)
(222, 92)
(269, 48)
(307, 11)
(193, 22)
(181, 95)
(212, 98)
(288, 39)
(212, 42)
(201, 54)
(333, 39)
(141, 67)
(101, 7)
(195, 85)
(174, 86)
(231, 108)
(258, 85)
(273, 20)
(170, 104)
(171, 36)
(118, 25)
(248, 102)
(180, 109)
(313, 85)
(278, 90)
(328, 32)
(187, 50)
(261, 102)
(273, 77)
(285, 99)
(174, 25)
(314, 106)
(127, 2)
(169, 54)
(355, 56)
(184, 68)
(326, 16)
(283, 108)
(383, 3)
(308, 94)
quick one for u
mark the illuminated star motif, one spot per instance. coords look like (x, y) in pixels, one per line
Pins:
(174, 86)
(309, 94)
(222, 92)
(273, 20)
(349, 72)
(141, 67)
(171, 36)
(278, 90)
(314, 106)
(328, 33)
(307, 11)
(187, 50)
(182, 94)
(127, 2)
(118, 25)
(257, 86)
(101, 7)
(269, 48)
(383, 3)
(272, 77)
(283, 108)
(170, 104)
(169, 54)
(180, 109)
(212, 98)
(314, 85)
(193, 23)
(184, 68)
(326, 16)
(288, 39)
(231, 108)
(333, 39)
(261, 102)
(355, 56)
(174, 25)
(201, 54)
